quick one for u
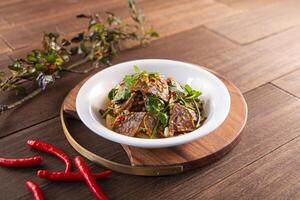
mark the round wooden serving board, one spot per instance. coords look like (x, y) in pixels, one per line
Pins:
(175, 159)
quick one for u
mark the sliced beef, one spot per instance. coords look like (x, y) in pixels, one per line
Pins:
(148, 123)
(156, 86)
(181, 119)
(128, 124)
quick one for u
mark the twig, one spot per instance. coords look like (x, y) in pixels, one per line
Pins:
(43, 65)
(80, 62)
(86, 71)
(5, 107)
(79, 71)
(21, 101)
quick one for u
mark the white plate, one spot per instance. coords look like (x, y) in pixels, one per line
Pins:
(93, 95)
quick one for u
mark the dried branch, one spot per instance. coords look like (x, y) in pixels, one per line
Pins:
(99, 44)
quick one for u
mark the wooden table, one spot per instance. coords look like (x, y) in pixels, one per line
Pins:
(255, 44)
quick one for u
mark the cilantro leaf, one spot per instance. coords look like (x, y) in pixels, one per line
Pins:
(121, 95)
(188, 89)
(136, 69)
(129, 81)
(112, 93)
(154, 104)
(191, 94)
(163, 118)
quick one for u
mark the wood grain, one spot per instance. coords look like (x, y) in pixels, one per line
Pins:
(256, 64)
(250, 26)
(198, 44)
(276, 170)
(247, 66)
(252, 42)
(188, 15)
(52, 98)
(43, 107)
(50, 131)
(4, 48)
(5, 3)
(31, 30)
(260, 62)
(16, 42)
(173, 20)
(259, 138)
(269, 111)
(40, 10)
(246, 5)
(290, 83)
(286, 43)
(4, 62)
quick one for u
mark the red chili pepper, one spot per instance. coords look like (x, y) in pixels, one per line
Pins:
(21, 162)
(35, 190)
(86, 173)
(48, 148)
(121, 118)
(173, 94)
(69, 176)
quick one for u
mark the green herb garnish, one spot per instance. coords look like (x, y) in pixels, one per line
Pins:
(130, 80)
(157, 106)
(163, 118)
(136, 69)
(112, 93)
(121, 95)
(191, 94)
(154, 104)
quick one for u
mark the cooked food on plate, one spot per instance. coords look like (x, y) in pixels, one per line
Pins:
(147, 105)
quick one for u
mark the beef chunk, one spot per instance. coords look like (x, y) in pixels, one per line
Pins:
(128, 124)
(181, 119)
(149, 123)
(155, 86)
